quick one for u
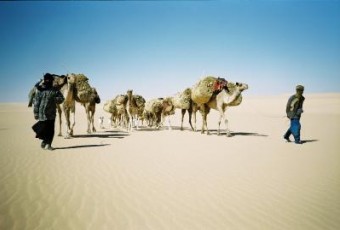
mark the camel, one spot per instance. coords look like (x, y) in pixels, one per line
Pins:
(220, 101)
(117, 108)
(84, 94)
(134, 107)
(69, 109)
(68, 106)
(184, 102)
(90, 109)
(157, 110)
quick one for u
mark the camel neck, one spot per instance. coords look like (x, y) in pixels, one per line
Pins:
(232, 97)
(130, 99)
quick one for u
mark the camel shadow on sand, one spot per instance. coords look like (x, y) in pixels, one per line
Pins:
(162, 128)
(80, 146)
(248, 134)
(106, 134)
(223, 133)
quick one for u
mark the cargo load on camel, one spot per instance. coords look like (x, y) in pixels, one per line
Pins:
(206, 88)
(83, 89)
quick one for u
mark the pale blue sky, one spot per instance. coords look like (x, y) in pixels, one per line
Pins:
(160, 48)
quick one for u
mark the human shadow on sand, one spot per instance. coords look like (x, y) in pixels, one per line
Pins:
(106, 134)
(308, 141)
(81, 146)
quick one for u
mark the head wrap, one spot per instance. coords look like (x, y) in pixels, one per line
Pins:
(300, 88)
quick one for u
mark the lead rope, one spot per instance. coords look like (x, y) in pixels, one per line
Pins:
(286, 120)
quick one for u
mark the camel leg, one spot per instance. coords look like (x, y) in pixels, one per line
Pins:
(183, 113)
(152, 120)
(194, 111)
(92, 121)
(137, 122)
(190, 116)
(204, 111)
(223, 116)
(194, 116)
(204, 119)
(68, 126)
(158, 120)
(126, 121)
(88, 115)
(219, 122)
(122, 120)
(60, 122)
(130, 123)
(226, 127)
(68, 123)
(205, 124)
(73, 112)
(111, 121)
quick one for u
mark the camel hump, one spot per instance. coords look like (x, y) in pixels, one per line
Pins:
(202, 91)
(182, 99)
(121, 99)
(154, 105)
(84, 90)
(140, 101)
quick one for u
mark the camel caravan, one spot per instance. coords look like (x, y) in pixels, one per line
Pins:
(130, 111)
(209, 93)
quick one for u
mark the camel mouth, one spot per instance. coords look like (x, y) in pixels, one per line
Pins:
(244, 87)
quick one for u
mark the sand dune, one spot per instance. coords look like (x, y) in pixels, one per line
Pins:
(160, 179)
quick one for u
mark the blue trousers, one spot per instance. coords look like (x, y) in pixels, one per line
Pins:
(294, 129)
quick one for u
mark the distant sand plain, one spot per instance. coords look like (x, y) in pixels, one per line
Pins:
(150, 179)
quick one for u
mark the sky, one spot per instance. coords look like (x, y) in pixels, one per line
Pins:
(159, 48)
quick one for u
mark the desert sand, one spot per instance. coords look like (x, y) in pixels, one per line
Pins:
(161, 179)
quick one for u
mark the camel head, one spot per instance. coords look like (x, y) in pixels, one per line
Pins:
(241, 86)
(234, 97)
(129, 92)
(95, 95)
(168, 105)
(71, 78)
(59, 81)
(140, 101)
